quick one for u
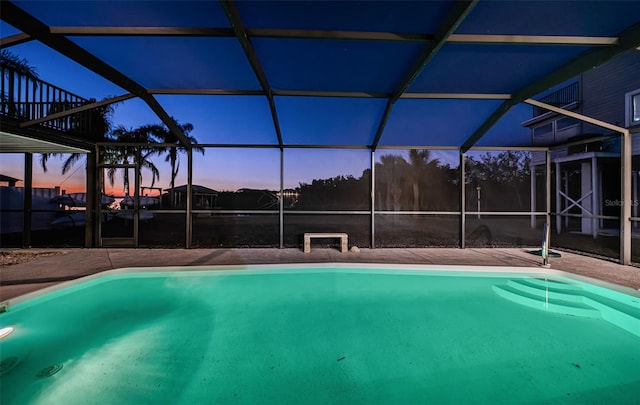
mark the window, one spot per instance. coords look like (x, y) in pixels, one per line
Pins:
(633, 107)
(545, 129)
(566, 122)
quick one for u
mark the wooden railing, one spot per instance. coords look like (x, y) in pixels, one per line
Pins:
(27, 99)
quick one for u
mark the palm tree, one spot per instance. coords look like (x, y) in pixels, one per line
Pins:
(163, 135)
(99, 129)
(125, 154)
(11, 65)
(17, 64)
(421, 165)
(392, 169)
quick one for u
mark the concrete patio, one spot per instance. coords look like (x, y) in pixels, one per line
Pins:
(68, 264)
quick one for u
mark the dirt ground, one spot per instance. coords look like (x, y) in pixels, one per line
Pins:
(10, 257)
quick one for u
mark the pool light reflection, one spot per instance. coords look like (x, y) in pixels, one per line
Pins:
(4, 332)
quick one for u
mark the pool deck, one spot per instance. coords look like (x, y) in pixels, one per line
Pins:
(69, 264)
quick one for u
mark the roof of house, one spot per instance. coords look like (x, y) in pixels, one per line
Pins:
(8, 179)
(196, 189)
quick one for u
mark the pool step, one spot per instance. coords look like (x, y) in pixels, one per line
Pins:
(548, 283)
(555, 305)
(569, 299)
(561, 293)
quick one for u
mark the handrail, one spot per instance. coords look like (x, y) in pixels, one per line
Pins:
(546, 237)
(25, 98)
(562, 97)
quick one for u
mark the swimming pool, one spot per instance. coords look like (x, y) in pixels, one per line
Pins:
(322, 334)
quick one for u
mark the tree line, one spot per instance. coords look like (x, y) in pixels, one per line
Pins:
(423, 183)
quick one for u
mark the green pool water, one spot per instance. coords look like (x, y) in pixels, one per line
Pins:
(319, 336)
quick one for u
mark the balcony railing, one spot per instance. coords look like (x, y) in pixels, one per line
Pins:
(563, 97)
(27, 99)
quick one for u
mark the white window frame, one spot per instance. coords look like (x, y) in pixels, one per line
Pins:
(628, 106)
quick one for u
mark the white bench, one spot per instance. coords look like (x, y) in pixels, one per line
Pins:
(342, 236)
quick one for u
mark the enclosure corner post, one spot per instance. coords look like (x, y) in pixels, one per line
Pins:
(93, 195)
(189, 225)
(625, 191)
(373, 199)
(27, 201)
(462, 200)
(532, 170)
(558, 200)
(548, 187)
(281, 205)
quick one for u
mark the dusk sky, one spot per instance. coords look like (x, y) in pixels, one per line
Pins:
(247, 120)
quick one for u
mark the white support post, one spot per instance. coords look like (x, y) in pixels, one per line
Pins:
(634, 187)
(558, 200)
(548, 187)
(565, 189)
(533, 195)
(595, 197)
(625, 191)
(585, 205)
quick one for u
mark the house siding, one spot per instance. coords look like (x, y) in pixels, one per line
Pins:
(604, 88)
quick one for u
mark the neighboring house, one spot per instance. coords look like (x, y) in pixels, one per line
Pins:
(586, 177)
(11, 181)
(202, 197)
(249, 199)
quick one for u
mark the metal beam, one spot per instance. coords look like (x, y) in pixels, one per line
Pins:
(13, 40)
(449, 24)
(241, 33)
(228, 32)
(575, 115)
(334, 35)
(512, 148)
(582, 141)
(206, 92)
(291, 93)
(457, 96)
(335, 94)
(627, 39)
(76, 110)
(532, 40)
(338, 35)
(143, 31)
(383, 123)
(486, 126)
(406, 147)
(23, 21)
